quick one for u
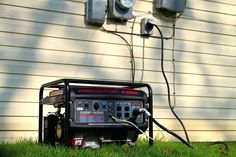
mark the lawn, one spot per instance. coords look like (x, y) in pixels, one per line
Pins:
(159, 149)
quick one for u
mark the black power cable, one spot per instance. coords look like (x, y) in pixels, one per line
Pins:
(225, 149)
(133, 70)
(187, 143)
(132, 60)
(167, 83)
(171, 132)
(143, 110)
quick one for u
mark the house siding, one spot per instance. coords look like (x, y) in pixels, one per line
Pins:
(47, 40)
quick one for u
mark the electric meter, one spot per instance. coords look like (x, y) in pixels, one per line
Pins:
(120, 9)
(125, 4)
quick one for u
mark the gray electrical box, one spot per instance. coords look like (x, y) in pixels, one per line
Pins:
(95, 11)
(174, 6)
(120, 9)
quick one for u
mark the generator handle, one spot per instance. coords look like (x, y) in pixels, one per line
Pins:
(66, 82)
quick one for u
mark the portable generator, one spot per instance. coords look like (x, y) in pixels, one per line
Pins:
(88, 113)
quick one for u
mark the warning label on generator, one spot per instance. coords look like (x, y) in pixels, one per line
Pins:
(91, 117)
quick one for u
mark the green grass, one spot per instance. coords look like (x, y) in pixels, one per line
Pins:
(159, 149)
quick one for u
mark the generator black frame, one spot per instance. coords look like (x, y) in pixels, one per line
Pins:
(65, 83)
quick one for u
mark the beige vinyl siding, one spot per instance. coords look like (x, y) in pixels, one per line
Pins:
(48, 40)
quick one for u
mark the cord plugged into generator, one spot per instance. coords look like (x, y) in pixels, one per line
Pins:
(149, 24)
(143, 110)
(138, 111)
(131, 123)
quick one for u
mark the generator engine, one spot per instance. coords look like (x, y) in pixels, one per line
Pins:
(88, 116)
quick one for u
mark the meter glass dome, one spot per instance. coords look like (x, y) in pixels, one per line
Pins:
(125, 4)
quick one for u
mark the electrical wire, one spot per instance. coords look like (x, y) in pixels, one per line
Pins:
(132, 59)
(143, 110)
(174, 68)
(137, 34)
(173, 31)
(128, 122)
(170, 132)
(132, 48)
(226, 147)
(167, 83)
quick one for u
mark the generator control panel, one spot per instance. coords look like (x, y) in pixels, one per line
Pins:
(100, 111)
(94, 106)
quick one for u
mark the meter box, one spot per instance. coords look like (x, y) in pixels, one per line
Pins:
(95, 11)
